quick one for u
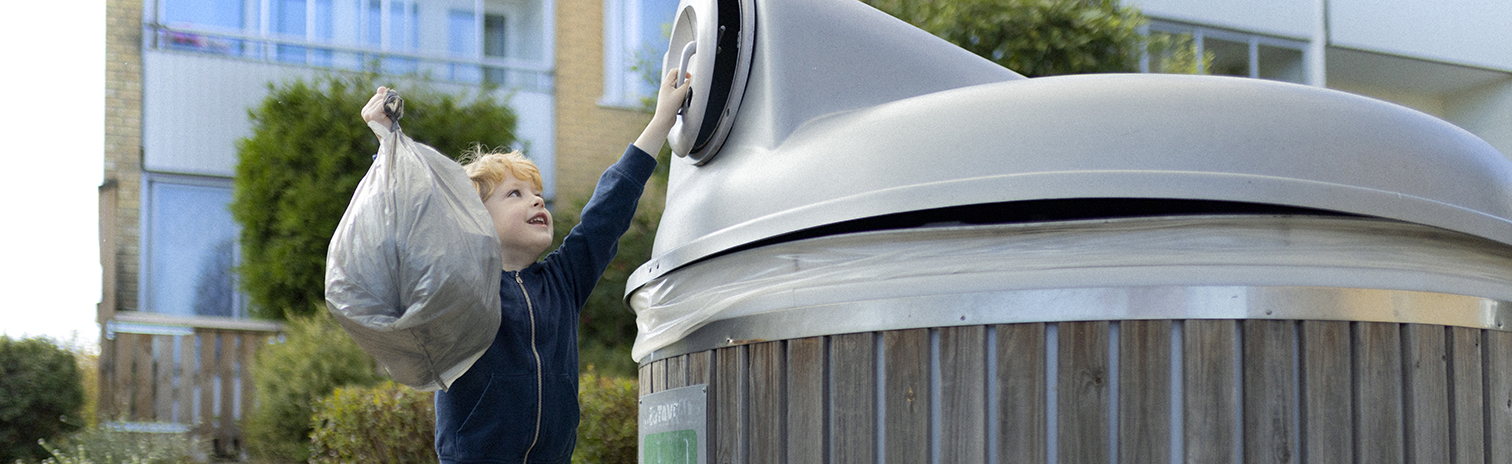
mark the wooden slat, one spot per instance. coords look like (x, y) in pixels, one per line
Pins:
(805, 400)
(186, 380)
(1144, 386)
(142, 378)
(698, 367)
(906, 401)
(677, 372)
(1468, 396)
(1425, 393)
(251, 343)
(766, 410)
(118, 396)
(1327, 419)
(1269, 391)
(162, 384)
(226, 423)
(1497, 366)
(1083, 392)
(1021, 392)
(1211, 406)
(963, 394)
(853, 398)
(644, 372)
(207, 379)
(1378, 392)
(659, 375)
(730, 435)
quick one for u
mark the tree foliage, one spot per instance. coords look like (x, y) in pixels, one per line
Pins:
(308, 150)
(1034, 37)
(40, 396)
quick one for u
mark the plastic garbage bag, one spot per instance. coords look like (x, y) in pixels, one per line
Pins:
(412, 272)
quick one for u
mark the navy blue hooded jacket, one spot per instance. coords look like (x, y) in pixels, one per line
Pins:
(518, 403)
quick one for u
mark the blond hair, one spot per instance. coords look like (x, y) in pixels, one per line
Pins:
(487, 169)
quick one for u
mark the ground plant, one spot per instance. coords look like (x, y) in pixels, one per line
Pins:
(103, 445)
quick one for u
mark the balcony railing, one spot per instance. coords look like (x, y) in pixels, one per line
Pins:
(165, 374)
(504, 73)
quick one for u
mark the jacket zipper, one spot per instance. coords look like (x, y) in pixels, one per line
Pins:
(530, 309)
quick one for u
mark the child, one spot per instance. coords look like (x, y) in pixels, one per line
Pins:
(518, 402)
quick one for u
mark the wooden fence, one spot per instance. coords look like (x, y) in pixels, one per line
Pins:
(1209, 391)
(181, 375)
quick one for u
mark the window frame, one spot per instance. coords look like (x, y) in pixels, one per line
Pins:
(148, 223)
(1253, 40)
(621, 21)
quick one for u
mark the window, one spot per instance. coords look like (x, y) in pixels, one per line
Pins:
(403, 34)
(635, 39)
(303, 21)
(222, 15)
(190, 248)
(462, 42)
(1224, 53)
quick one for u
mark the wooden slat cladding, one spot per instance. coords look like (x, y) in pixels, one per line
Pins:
(1020, 415)
(1144, 385)
(1245, 391)
(852, 398)
(1211, 394)
(1269, 386)
(1327, 406)
(1083, 392)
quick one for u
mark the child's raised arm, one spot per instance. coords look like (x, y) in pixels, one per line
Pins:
(669, 98)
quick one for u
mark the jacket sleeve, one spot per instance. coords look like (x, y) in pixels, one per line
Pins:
(588, 248)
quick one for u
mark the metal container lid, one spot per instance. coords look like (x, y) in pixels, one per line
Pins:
(787, 167)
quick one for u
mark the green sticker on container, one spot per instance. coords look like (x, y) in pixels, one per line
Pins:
(672, 426)
(675, 447)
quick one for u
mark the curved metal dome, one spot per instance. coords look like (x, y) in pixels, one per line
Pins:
(1164, 137)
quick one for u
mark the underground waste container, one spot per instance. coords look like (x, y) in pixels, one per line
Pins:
(878, 247)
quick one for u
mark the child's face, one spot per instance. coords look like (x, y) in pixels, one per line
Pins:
(520, 218)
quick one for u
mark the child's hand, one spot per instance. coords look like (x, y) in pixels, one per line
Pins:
(372, 113)
(669, 98)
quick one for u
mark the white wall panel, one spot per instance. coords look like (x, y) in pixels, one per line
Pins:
(1469, 32)
(195, 109)
(1285, 18)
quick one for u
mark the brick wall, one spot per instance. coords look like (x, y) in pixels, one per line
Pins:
(589, 137)
(121, 193)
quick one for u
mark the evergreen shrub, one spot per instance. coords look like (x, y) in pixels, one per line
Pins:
(41, 396)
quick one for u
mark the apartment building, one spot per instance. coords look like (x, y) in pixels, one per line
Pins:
(1451, 59)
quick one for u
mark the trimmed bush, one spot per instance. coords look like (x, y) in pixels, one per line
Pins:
(316, 358)
(394, 423)
(386, 423)
(40, 396)
(610, 410)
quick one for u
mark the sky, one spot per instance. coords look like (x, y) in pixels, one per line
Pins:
(52, 97)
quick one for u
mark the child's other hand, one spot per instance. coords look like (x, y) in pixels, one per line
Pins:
(670, 97)
(372, 112)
